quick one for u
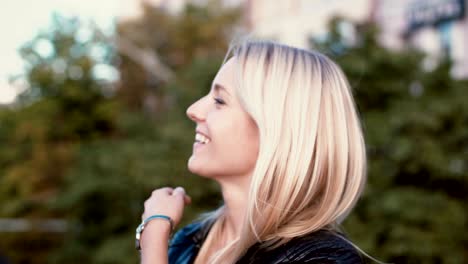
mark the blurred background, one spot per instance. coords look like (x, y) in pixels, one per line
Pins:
(92, 116)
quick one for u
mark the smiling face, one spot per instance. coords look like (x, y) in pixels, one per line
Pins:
(226, 140)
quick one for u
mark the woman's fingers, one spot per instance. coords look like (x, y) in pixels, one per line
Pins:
(179, 191)
(167, 201)
(187, 199)
(166, 190)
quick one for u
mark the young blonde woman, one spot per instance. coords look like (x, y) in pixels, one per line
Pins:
(280, 133)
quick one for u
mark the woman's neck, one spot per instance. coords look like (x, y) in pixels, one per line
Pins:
(235, 197)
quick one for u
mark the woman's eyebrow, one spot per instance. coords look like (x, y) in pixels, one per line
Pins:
(218, 87)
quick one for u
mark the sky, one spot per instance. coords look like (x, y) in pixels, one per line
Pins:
(21, 20)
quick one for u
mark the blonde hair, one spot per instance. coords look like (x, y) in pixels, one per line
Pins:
(311, 165)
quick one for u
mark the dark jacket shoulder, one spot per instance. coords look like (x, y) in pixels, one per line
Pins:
(186, 243)
(320, 247)
(323, 247)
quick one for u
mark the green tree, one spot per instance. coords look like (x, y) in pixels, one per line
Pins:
(159, 46)
(415, 122)
(112, 177)
(93, 158)
(72, 150)
(66, 104)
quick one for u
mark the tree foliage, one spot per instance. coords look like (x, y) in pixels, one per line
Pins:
(75, 150)
(66, 104)
(174, 41)
(415, 122)
(79, 152)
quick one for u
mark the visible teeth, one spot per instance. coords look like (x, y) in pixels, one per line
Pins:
(201, 138)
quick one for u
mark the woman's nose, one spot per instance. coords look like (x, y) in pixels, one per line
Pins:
(194, 111)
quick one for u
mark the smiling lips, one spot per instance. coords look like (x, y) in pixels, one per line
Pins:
(200, 138)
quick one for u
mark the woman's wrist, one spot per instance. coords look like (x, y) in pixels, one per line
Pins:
(155, 242)
(156, 234)
(146, 222)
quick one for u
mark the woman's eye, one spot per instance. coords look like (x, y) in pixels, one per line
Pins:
(219, 101)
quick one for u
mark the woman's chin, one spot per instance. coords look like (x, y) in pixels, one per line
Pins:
(194, 166)
(199, 168)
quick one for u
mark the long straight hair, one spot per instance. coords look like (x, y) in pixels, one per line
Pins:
(311, 165)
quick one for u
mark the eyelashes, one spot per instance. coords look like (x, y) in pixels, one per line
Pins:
(219, 101)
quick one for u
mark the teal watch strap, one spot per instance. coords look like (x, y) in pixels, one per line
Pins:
(141, 227)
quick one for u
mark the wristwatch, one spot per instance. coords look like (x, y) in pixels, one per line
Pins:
(141, 227)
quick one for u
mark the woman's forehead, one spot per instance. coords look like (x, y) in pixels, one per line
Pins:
(225, 75)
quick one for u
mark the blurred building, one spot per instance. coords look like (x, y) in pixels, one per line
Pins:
(133, 8)
(295, 21)
(438, 27)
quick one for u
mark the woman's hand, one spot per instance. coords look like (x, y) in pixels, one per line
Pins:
(167, 201)
(154, 238)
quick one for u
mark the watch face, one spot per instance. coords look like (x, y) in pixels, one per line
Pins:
(137, 244)
(138, 235)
